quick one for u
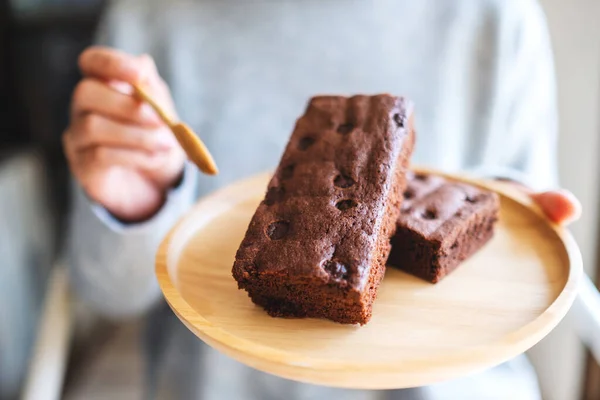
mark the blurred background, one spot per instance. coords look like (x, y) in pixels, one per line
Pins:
(39, 44)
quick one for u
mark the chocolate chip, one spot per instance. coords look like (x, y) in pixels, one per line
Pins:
(288, 172)
(420, 177)
(305, 143)
(471, 199)
(335, 269)
(274, 195)
(409, 194)
(430, 214)
(343, 181)
(277, 230)
(346, 204)
(399, 120)
(454, 245)
(345, 128)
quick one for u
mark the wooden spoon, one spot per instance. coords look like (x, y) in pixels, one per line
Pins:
(191, 143)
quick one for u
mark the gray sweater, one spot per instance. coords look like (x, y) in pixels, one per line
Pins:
(479, 71)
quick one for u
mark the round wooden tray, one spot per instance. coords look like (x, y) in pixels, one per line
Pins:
(495, 306)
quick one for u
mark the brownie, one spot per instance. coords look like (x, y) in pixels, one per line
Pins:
(317, 244)
(441, 224)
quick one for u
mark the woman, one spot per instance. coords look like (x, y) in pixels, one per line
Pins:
(480, 74)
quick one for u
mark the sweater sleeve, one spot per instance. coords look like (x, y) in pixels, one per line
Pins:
(112, 264)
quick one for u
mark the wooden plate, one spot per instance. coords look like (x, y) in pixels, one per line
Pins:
(494, 307)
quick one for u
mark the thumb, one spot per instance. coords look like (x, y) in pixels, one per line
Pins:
(560, 206)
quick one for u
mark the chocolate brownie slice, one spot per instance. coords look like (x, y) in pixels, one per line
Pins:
(317, 244)
(441, 224)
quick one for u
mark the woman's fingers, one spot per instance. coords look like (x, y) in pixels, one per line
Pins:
(94, 97)
(110, 64)
(560, 206)
(106, 158)
(94, 130)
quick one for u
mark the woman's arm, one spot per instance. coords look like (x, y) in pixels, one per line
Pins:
(125, 165)
(112, 263)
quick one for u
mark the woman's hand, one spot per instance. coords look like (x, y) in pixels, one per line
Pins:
(118, 149)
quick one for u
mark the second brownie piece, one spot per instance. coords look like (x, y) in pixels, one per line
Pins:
(317, 244)
(441, 224)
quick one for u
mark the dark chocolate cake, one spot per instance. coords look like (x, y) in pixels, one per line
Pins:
(441, 224)
(318, 242)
